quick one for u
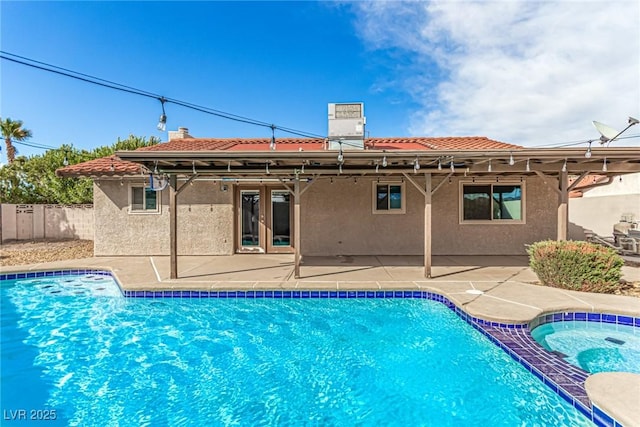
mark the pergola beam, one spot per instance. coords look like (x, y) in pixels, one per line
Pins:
(547, 164)
(173, 225)
(290, 170)
(173, 220)
(563, 206)
(577, 181)
(296, 227)
(427, 225)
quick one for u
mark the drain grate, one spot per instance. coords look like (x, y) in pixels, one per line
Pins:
(614, 340)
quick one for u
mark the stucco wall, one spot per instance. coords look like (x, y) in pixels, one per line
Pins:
(205, 221)
(629, 184)
(337, 219)
(452, 238)
(599, 214)
(601, 207)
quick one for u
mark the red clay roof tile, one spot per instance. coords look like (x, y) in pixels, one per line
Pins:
(105, 166)
(113, 166)
(294, 144)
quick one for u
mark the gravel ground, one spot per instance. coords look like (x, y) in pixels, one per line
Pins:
(35, 252)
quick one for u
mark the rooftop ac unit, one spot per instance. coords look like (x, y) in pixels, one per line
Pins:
(346, 123)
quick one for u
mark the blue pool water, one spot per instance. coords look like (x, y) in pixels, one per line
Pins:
(96, 358)
(593, 346)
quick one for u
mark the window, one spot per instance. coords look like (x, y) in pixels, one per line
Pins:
(388, 198)
(492, 202)
(143, 199)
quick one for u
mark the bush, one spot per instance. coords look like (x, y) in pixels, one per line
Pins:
(579, 266)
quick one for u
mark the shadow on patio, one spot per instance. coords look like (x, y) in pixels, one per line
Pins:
(279, 268)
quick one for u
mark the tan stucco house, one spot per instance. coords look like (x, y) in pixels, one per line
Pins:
(316, 197)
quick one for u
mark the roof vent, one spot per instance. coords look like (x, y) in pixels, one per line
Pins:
(346, 126)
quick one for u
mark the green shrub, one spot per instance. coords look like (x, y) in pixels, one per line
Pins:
(579, 266)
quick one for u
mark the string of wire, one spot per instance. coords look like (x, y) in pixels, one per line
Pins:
(43, 66)
(207, 110)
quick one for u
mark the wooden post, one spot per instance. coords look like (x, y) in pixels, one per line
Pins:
(563, 206)
(173, 225)
(296, 226)
(427, 226)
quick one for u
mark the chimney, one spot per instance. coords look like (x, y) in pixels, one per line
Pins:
(181, 133)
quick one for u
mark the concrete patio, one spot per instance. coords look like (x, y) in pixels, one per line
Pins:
(506, 282)
(502, 290)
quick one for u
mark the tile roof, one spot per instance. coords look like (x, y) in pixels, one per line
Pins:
(307, 144)
(114, 166)
(105, 166)
(577, 191)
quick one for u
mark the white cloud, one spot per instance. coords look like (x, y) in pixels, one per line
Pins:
(524, 72)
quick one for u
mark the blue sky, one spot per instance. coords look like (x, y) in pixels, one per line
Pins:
(529, 73)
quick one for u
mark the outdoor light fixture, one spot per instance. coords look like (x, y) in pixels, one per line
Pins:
(162, 123)
(564, 166)
(267, 168)
(416, 165)
(302, 170)
(439, 164)
(112, 168)
(65, 162)
(511, 161)
(384, 161)
(377, 167)
(272, 146)
(588, 153)
(489, 168)
(451, 166)
(229, 166)
(528, 167)
(604, 165)
(340, 168)
(193, 165)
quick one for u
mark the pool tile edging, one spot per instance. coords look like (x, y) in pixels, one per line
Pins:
(500, 334)
(494, 331)
(57, 273)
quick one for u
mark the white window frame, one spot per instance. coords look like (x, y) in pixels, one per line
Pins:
(144, 211)
(374, 197)
(492, 221)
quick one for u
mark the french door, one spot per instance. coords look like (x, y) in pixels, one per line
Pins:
(264, 220)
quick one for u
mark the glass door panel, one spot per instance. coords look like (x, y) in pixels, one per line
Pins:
(250, 217)
(280, 218)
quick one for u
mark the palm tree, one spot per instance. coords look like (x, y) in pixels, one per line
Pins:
(13, 130)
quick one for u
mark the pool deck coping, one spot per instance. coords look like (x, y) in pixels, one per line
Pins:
(500, 293)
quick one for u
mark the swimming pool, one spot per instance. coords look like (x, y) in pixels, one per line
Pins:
(100, 359)
(593, 346)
